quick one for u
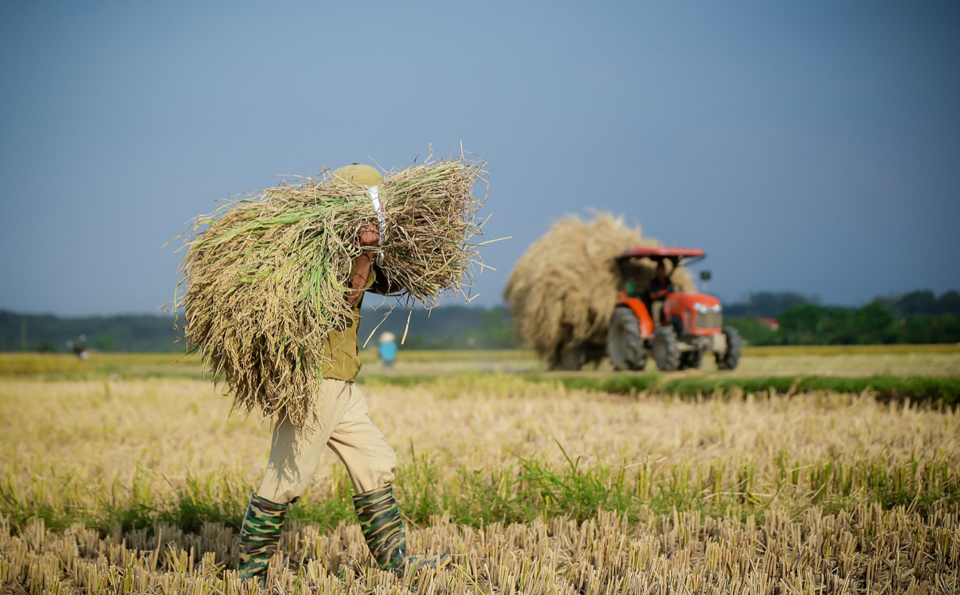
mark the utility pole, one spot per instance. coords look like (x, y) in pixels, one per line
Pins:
(23, 334)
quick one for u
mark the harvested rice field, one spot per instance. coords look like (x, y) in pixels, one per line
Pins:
(138, 485)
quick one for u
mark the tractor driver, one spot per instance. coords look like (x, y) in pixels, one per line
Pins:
(658, 290)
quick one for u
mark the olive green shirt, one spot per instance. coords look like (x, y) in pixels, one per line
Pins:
(342, 347)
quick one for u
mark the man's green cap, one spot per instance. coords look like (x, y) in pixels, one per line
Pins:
(360, 174)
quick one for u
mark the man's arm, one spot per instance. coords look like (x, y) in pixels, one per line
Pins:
(656, 290)
(369, 236)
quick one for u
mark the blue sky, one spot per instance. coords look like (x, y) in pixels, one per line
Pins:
(808, 146)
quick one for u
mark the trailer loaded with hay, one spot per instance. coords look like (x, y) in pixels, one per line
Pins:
(576, 297)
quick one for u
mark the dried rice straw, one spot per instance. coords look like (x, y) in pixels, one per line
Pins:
(264, 279)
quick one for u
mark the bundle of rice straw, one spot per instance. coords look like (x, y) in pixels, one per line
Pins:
(563, 290)
(266, 277)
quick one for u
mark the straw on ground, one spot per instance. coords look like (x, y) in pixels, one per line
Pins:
(141, 483)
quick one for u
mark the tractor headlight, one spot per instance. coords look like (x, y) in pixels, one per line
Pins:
(703, 309)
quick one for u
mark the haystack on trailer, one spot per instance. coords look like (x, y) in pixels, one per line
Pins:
(563, 290)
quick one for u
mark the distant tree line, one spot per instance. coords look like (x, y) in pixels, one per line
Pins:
(916, 317)
(447, 327)
(48, 333)
(491, 329)
(767, 304)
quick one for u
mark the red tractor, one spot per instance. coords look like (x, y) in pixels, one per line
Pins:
(690, 324)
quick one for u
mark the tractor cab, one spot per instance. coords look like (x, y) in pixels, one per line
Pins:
(652, 314)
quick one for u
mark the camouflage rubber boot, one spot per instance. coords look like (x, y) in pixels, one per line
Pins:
(259, 535)
(382, 528)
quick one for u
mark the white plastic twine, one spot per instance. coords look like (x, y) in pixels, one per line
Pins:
(375, 198)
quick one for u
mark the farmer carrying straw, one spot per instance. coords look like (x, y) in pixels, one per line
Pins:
(272, 288)
(342, 423)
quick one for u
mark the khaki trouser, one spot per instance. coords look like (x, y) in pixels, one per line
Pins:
(657, 312)
(346, 429)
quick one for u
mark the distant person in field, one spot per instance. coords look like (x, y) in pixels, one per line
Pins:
(387, 350)
(660, 287)
(79, 347)
(347, 429)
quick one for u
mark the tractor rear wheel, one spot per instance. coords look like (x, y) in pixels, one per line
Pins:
(624, 341)
(730, 358)
(666, 352)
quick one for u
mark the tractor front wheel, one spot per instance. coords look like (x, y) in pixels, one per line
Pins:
(731, 357)
(666, 352)
(624, 341)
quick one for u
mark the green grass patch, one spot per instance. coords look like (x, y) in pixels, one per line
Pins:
(943, 390)
(399, 380)
(527, 489)
(369, 355)
(938, 389)
(828, 350)
(100, 365)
